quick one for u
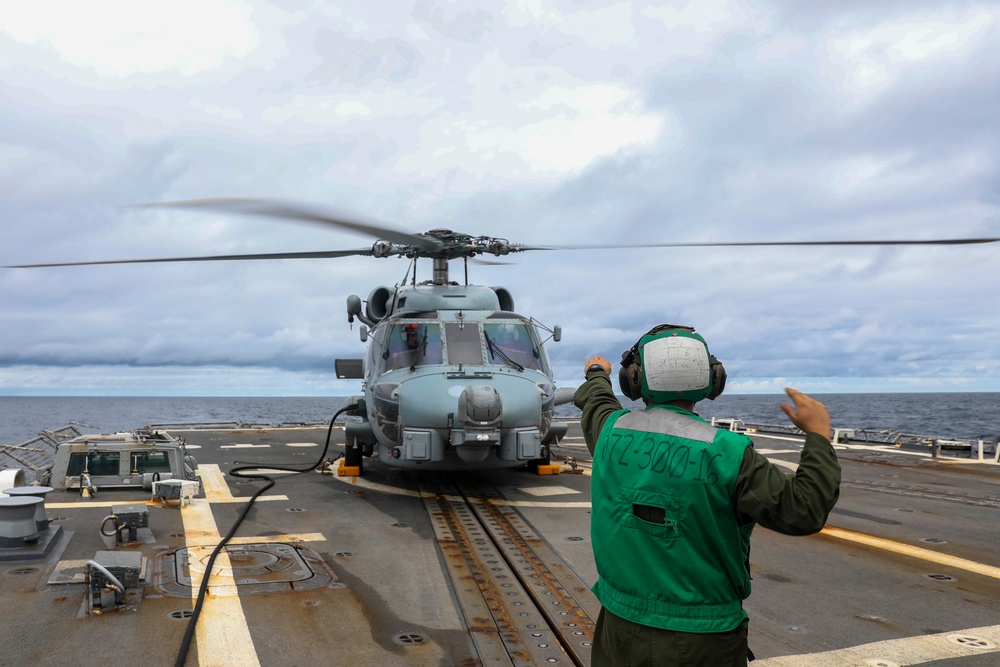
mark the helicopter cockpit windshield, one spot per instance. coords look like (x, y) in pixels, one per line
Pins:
(410, 345)
(511, 343)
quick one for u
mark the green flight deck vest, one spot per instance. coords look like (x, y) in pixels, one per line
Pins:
(669, 547)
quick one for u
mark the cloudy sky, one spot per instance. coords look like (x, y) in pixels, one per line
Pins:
(541, 121)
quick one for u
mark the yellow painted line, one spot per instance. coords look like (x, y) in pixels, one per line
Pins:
(302, 444)
(914, 552)
(244, 446)
(115, 503)
(234, 499)
(289, 538)
(222, 634)
(918, 650)
(214, 483)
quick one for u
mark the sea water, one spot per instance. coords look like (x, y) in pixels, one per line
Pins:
(945, 415)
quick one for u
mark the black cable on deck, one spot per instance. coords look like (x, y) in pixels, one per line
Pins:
(237, 472)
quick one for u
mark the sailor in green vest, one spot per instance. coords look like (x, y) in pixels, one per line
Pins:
(675, 500)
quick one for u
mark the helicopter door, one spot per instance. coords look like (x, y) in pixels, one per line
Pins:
(463, 343)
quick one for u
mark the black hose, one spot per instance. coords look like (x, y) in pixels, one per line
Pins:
(237, 472)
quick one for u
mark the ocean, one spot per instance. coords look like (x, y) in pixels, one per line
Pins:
(945, 415)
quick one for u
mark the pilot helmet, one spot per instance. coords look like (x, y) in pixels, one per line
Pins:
(409, 330)
(671, 363)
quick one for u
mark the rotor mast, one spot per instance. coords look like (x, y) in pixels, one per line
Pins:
(440, 276)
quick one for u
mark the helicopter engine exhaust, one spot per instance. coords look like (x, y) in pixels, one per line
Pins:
(479, 413)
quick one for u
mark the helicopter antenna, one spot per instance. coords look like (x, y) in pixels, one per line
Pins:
(465, 264)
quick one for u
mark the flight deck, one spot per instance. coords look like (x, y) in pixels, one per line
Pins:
(401, 567)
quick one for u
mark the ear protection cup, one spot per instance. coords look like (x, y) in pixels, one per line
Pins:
(718, 373)
(630, 375)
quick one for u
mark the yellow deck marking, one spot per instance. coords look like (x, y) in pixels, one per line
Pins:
(302, 444)
(244, 446)
(906, 651)
(113, 503)
(289, 538)
(914, 552)
(214, 483)
(222, 635)
(234, 499)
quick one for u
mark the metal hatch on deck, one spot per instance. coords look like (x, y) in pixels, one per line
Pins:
(251, 568)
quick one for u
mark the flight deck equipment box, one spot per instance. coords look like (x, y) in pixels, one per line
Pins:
(124, 566)
(132, 517)
(176, 489)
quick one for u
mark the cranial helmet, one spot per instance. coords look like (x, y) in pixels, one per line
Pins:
(671, 363)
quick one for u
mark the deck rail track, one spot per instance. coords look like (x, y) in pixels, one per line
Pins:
(521, 601)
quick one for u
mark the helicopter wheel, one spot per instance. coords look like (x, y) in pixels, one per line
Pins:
(353, 454)
(544, 461)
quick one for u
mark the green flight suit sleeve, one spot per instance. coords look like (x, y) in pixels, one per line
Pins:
(793, 504)
(597, 400)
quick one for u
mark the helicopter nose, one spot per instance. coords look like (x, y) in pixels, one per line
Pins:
(479, 413)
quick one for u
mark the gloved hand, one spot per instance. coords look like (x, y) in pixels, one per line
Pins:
(809, 415)
(597, 360)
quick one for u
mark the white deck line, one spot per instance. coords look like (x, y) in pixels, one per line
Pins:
(900, 652)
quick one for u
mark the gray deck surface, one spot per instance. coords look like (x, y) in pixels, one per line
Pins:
(907, 572)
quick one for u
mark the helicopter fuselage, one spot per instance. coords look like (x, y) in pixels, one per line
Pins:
(448, 387)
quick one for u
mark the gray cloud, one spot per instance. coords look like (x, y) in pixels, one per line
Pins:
(593, 124)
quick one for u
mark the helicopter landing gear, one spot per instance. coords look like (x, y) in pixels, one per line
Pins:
(543, 466)
(353, 462)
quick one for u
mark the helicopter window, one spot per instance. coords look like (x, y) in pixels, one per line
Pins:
(464, 344)
(511, 343)
(412, 344)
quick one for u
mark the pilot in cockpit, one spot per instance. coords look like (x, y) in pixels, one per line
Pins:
(416, 345)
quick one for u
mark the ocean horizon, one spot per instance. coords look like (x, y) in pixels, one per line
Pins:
(968, 415)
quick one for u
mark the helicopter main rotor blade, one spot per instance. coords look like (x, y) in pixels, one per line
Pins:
(735, 244)
(271, 208)
(317, 254)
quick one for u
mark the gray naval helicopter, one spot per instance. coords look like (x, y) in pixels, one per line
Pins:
(454, 378)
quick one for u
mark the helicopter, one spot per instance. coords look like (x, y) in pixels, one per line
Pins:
(453, 378)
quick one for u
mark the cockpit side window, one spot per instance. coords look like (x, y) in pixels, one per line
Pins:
(412, 344)
(511, 343)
